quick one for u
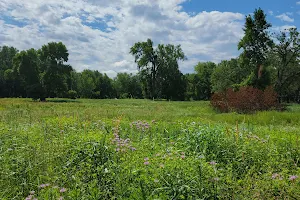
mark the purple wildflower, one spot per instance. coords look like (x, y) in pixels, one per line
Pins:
(182, 156)
(62, 190)
(293, 177)
(29, 197)
(146, 163)
(61, 198)
(146, 159)
(44, 185)
(212, 163)
(133, 149)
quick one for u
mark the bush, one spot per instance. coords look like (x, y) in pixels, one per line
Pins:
(245, 100)
(72, 94)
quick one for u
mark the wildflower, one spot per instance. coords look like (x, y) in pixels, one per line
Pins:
(153, 121)
(146, 163)
(117, 149)
(293, 177)
(44, 185)
(32, 192)
(133, 149)
(216, 179)
(62, 190)
(146, 159)
(60, 198)
(182, 156)
(29, 197)
(274, 176)
(212, 163)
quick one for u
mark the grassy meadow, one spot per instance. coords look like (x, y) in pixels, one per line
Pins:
(142, 149)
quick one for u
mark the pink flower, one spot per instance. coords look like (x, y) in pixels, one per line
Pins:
(182, 156)
(293, 177)
(212, 163)
(274, 176)
(60, 198)
(146, 159)
(44, 185)
(146, 163)
(62, 190)
(29, 197)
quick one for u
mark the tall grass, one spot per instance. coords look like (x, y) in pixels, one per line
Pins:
(139, 149)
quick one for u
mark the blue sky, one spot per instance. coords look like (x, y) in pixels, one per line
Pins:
(272, 8)
(99, 33)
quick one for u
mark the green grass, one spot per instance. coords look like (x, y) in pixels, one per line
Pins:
(81, 145)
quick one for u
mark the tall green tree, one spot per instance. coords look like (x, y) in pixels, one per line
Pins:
(27, 66)
(146, 59)
(127, 86)
(154, 66)
(256, 45)
(87, 84)
(170, 81)
(9, 84)
(286, 57)
(203, 85)
(44, 72)
(229, 74)
(53, 57)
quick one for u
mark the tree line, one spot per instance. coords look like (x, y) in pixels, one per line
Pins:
(266, 59)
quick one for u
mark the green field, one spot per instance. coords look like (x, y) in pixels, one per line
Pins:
(141, 149)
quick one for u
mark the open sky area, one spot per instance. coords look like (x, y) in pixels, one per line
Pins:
(99, 33)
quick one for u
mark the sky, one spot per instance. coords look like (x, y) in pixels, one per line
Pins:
(99, 33)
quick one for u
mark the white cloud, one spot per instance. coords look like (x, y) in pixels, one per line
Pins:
(99, 33)
(285, 17)
(298, 2)
(271, 12)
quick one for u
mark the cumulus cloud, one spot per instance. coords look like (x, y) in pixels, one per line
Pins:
(285, 17)
(99, 33)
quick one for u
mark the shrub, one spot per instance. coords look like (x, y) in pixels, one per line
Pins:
(245, 100)
(72, 94)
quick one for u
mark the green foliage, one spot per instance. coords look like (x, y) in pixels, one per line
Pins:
(72, 94)
(199, 84)
(100, 149)
(256, 44)
(159, 70)
(285, 60)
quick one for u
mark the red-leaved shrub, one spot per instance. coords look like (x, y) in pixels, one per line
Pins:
(245, 100)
